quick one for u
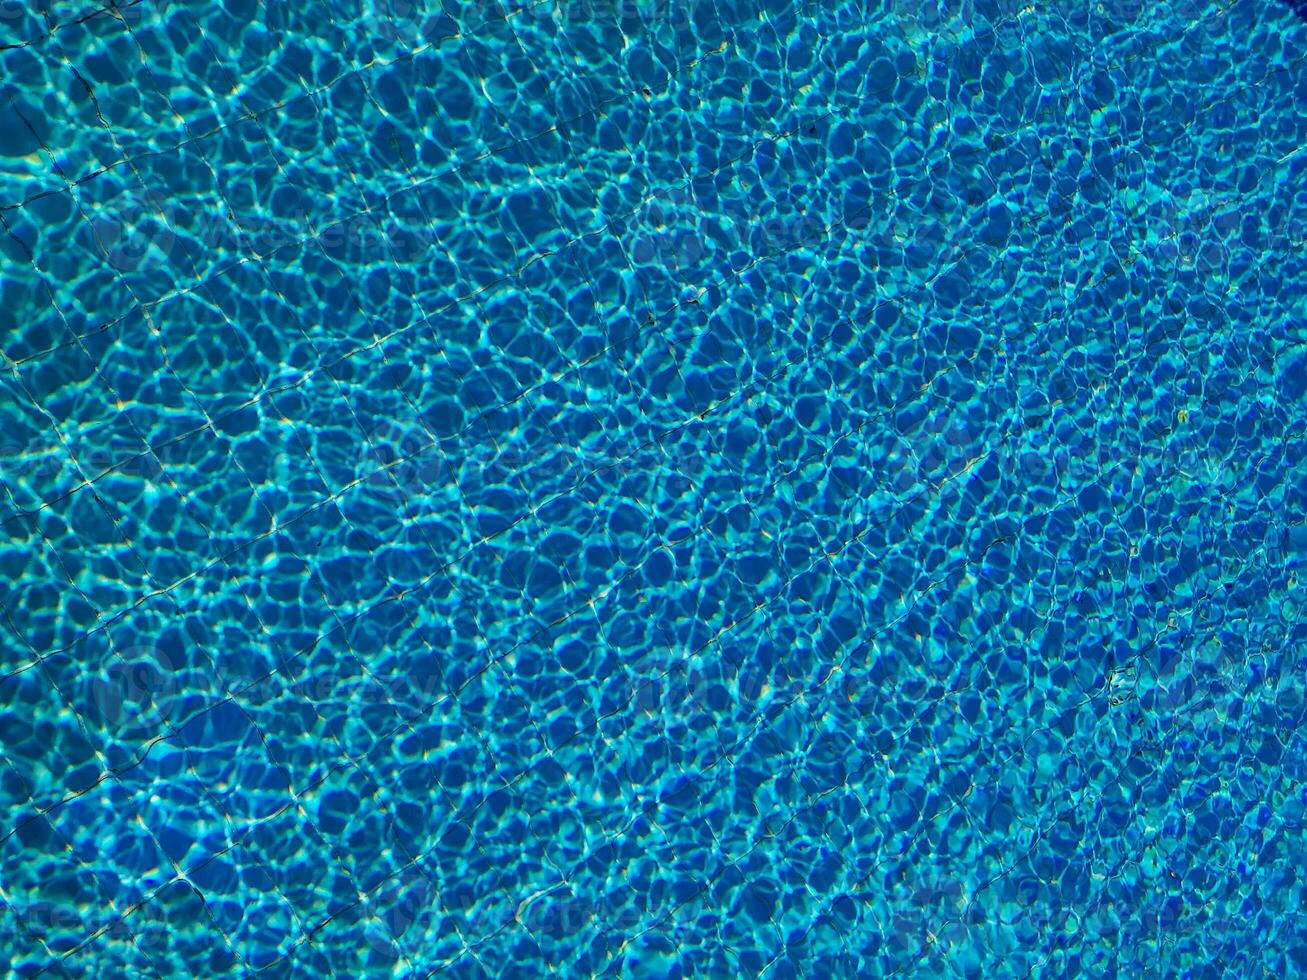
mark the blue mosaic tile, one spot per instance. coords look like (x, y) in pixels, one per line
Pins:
(661, 488)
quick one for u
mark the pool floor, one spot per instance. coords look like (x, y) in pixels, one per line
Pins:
(653, 489)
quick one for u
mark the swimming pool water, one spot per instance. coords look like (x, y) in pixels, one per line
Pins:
(670, 488)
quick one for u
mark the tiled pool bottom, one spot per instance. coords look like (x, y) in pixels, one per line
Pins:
(649, 491)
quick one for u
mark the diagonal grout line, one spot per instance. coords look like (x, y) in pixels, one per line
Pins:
(736, 273)
(394, 333)
(255, 114)
(381, 63)
(756, 516)
(685, 422)
(56, 26)
(510, 680)
(109, 900)
(1027, 738)
(536, 727)
(346, 220)
(79, 720)
(956, 803)
(654, 804)
(465, 429)
(24, 928)
(107, 774)
(254, 611)
(730, 627)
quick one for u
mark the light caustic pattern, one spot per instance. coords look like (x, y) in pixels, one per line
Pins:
(652, 489)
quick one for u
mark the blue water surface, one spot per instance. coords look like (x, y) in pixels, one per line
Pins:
(653, 488)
